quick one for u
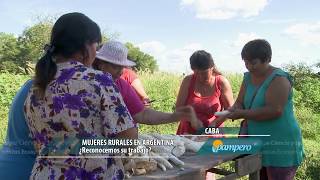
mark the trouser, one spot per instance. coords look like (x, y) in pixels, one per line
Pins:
(278, 173)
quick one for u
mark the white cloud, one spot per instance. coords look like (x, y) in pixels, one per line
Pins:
(171, 60)
(152, 47)
(307, 33)
(243, 38)
(187, 2)
(277, 21)
(225, 9)
(177, 60)
(184, 52)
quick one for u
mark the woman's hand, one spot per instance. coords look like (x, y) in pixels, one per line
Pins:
(236, 113)
(147, 102)
(187, 112)
(235, 106)
(217, 122)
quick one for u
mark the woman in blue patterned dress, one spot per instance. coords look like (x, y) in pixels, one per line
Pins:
(70, 100)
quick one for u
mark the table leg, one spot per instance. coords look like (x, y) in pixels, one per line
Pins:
(254, 175)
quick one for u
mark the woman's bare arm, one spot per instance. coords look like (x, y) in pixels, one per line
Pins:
(153, 117)
(226, 93)
(183, 91)
(131, 133)
(276, 99)
(138, 87)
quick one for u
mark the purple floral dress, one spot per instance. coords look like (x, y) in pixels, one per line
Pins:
(80, 102)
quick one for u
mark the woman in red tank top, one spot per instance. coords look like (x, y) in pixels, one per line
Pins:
(206, 90)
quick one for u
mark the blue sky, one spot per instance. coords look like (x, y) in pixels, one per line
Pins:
(171, 30)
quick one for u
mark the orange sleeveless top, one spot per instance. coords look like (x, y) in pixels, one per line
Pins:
(205, 107)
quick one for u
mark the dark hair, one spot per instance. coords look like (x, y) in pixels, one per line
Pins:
(202, 60)
(70, 34)
(96, 62)
(257, 49)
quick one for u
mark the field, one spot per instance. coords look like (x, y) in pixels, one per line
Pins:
(163, 88)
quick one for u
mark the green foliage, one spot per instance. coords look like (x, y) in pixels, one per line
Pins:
(164, 94)
(33, 40)
(10, 67)
(306, 85)
(163, 88)
(158, 81)
(309, 121)
(9, 84)
(309, 169)
(8, 47)
(235, 81)
(144, 61)
(16, 54)
(8, 53)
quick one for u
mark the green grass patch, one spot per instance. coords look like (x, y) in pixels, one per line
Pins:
(163, 88)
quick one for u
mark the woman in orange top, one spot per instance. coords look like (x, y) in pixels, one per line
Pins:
(132, 78)
(206, 90)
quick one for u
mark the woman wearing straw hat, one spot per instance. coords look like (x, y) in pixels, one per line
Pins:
(112, 58)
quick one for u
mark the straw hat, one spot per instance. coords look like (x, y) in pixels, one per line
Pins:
(114, 52)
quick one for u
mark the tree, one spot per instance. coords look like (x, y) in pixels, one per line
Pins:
(144, 61)
(32, 42)
(8, 52)
(8, 47)
(307, 85)
(18, 55)
(318, 65)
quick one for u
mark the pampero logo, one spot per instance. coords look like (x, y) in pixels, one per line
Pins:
(219, 146)
(231, 146)
(216, 144)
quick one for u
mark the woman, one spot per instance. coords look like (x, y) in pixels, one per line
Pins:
(265, 101)
(70, 100)
(206, 90)
(132, 78)
(17, 154)
(18, 139)
(112, 58)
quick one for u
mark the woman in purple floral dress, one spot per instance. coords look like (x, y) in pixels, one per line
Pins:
(71, 100)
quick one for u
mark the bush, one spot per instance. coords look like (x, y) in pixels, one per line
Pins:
(309, 123)
(306, 85)
(9, 67)
(163, 88)
(309, 170)
(9, 84)
(235, 81)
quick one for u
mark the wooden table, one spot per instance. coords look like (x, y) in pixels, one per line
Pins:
(196, 166)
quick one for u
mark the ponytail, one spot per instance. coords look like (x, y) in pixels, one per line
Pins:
(45, 69)
(69, 35)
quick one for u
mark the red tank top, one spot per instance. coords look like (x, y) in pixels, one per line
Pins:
(205, 107)
(129, 75)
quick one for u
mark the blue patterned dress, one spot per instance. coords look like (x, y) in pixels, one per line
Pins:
(83, 103)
